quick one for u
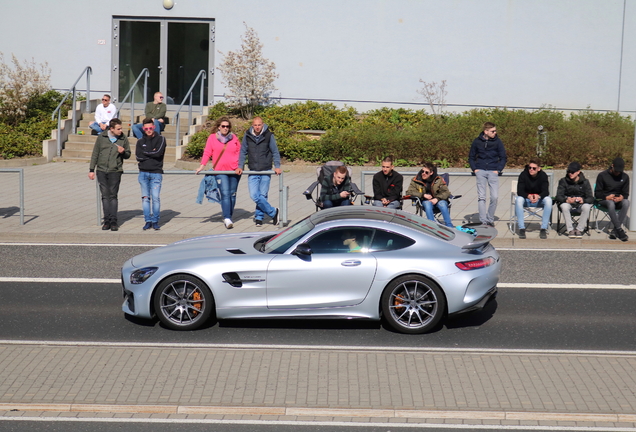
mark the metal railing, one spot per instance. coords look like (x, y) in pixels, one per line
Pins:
(188, 97)
(20, 171)
(131, 93)
(88, 71)
(283, 191)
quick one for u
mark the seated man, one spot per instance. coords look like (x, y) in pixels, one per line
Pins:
(335, 191)
(612, 191)
(387, 186)
(104, 113)
(155, 110)
(350, 240)
(533, 190)
(432, 191)
(574, 193)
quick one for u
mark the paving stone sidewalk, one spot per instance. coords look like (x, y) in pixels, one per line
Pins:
(325, 383)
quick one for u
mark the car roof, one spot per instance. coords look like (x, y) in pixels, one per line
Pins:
(383, 214)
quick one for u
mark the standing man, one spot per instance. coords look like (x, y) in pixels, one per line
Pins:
(575, 193)
(387, 186)
(533, 190)
(487, 159)
(259, 146)
(155, 110)
(111, 148)
(612, 191)
(104, 113)
(149, 152)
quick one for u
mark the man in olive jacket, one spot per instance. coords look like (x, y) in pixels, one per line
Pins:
(111, 148)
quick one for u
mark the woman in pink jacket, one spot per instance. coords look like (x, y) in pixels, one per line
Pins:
(223, 148)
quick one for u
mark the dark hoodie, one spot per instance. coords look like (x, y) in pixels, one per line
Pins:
(487, 154)
(538, 184)
(149, 153)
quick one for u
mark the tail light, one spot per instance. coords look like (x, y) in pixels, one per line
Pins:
(476, 264)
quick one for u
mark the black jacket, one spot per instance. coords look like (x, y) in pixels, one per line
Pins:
(607, 184)
(487, 154)
(570, 188)
(150, 152)
(389, 187)
(538, 184)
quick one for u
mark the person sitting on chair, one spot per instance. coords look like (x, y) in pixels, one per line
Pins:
(574, 193)
(336, 191)
(431, 189)
(350, 239)
(533, 190)
(387, 186)
(612, 191)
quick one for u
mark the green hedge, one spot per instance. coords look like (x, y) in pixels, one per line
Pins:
(413, 137)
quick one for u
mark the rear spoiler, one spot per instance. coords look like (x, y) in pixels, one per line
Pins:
(484, 234)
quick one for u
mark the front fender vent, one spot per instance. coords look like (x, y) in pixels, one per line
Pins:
(233, 279)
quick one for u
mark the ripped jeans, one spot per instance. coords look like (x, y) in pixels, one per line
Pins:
(228, 185)
(150, 189)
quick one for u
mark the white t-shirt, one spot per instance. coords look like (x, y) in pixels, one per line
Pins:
(105, 114)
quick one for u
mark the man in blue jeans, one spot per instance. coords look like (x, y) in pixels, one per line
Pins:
(260, 149)
(533, 190)
(149, 152)
(487, 159)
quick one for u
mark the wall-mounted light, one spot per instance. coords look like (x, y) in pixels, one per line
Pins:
(168, 4)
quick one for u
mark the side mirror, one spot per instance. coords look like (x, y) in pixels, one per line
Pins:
(302, 249)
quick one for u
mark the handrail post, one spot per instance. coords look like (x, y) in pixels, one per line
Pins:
(73, 109)
(190, 112)
(87, 109)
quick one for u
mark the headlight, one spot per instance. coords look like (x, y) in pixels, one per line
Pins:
(139, 276)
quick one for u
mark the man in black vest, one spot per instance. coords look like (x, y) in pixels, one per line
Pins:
(259, 146)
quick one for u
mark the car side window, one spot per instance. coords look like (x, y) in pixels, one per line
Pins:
(341, 240)
(388, 241)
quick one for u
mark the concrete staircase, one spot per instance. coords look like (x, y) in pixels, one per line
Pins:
(79, 146)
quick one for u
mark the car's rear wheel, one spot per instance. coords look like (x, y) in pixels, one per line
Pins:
(183, 302)
(413, 304)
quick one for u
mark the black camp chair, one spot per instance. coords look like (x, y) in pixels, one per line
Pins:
(327, 170)
(417, 202)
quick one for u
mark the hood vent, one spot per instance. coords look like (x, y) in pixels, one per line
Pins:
(235, 251)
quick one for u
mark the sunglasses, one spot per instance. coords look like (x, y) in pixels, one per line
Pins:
(105, 100)
(225, 126)
(149, 128)
(533, 168)
(426, 172)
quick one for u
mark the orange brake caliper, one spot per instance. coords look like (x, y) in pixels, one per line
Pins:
(197, 306)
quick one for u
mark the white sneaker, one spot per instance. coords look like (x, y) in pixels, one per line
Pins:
(228, 223)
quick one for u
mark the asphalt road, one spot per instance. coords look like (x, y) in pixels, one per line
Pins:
(522, 318)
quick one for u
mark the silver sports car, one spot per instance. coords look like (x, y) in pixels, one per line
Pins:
(348, 262)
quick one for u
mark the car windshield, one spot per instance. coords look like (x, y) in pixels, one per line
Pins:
(284, 239)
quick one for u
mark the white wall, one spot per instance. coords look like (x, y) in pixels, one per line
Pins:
(516, 53)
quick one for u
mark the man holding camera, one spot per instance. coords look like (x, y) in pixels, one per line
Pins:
(336, 191)
(574, 193)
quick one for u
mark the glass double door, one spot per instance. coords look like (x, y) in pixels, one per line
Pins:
(174, 51)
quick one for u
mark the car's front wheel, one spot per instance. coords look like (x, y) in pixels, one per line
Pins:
(183, 302)
(413, 304)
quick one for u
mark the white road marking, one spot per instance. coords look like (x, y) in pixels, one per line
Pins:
(562, 285)
(84, 244)
(348, 348)
(387, 426)
(563, 250)
(499, 285)
(58, 280)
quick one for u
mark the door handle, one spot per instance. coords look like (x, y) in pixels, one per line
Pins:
(351, 263)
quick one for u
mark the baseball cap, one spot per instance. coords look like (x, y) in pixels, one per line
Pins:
(574, 167)
(619, 165)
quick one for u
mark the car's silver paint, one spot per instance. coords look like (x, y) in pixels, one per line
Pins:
(322, 285)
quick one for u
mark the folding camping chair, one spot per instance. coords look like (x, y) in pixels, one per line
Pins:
(576, 215)
(326, 171)
(419, 207)
(529, 213)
